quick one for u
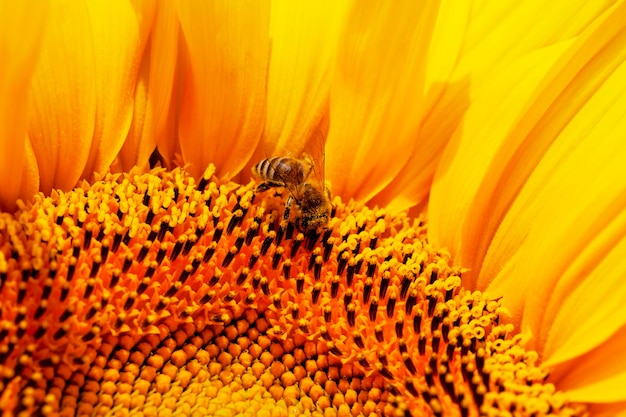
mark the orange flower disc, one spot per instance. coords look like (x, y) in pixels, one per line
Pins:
(158, 294)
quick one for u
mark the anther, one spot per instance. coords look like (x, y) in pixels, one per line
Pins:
(88, 236)
(317, 268)
(303, 325)
(184, 274)
(300, 283)
(150, 216)
(152, 266)
(347, 297)
(191, 241)
(241, 238)
(61, 332)
(297, 242)
(267, 242)
(161, 253)
(384, 284)
(358, 339)
(89, 287)
(382, 369)
(280, 233)
(362, 361)
(436, 340)
(276, 257)
(71, 268)
(373, 309)
(230, 255)
(295, 311)
(241, 278)
(215, 279)
(173, 289)
(178, 247)
(206, 298)
(143, 285)
(332, 348)
(399, 327)
(432, 302)
(351, 314)
(433, 276)
(327, 311)
(254, 257)
(130, 300)
(287, 268)
(253, 231)
(367, 290)
(163, 228)
(410, 302)
(391, 305)
(217, 232)
(410, 387)
(371, 267)
(265, 286)
(234, 221)
(334, 286)
(315, 295)
(47, 288)
(421, 344)
(378, 332)
(43, 305)
(208, 253)
(256, 280)
(128, 262)
(404, 287)
(350, 272)
(93, 310)
(328, 246)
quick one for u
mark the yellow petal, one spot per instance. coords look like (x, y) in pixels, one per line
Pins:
(539, 214)
(497, 147)
(83, 88)
(304, 39)
(223, 100)
(152, 121)
(377, 95)
(21, 28)
(598, 376)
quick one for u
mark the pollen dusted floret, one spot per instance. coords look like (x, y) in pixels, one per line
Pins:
(156, 293)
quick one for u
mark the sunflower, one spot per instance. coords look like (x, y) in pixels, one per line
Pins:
(469, 149)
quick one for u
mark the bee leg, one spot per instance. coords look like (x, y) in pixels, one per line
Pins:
(287, 211)
(266, 185)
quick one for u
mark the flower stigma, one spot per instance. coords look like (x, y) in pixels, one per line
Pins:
(156, 293)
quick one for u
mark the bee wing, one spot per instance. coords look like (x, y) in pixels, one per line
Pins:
(315, 149)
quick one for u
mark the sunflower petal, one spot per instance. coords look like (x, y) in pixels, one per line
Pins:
(83, 108)
(21, 28)
(545, 213)
(152, 121)
(304, 37)
(597, 377)
(377, 94)
(223, 100)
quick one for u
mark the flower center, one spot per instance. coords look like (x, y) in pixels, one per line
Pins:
(156, 293)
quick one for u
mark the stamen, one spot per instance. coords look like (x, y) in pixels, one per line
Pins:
(127, 296)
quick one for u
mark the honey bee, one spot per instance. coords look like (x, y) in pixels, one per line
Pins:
(311, 197)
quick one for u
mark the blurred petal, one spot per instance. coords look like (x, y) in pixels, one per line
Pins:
(304, 37)
(377, 95)
(223, 100)
(152, 121)
(21, 28)
(83, 108)
(599, 376)
(534, 202)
